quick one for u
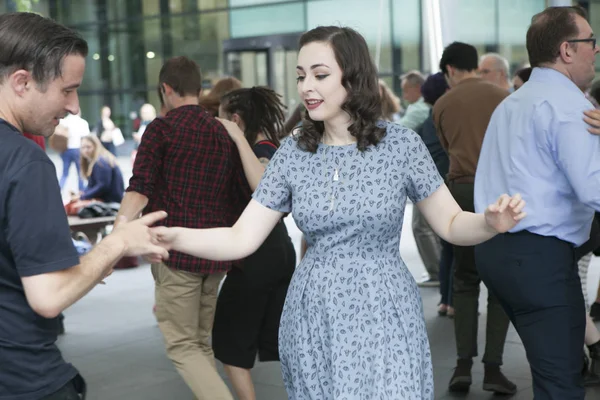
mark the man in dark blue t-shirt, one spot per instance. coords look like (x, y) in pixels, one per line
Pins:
(41, 67)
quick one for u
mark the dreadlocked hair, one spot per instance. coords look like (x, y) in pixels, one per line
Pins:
(261, 110)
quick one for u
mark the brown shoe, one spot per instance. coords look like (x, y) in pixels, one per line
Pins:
(495, 381)
(461, 380)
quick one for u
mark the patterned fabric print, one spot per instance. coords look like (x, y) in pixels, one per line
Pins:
(353, 327)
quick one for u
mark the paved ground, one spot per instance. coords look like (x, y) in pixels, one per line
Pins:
(113, 339)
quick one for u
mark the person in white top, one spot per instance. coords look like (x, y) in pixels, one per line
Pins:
(76, 128)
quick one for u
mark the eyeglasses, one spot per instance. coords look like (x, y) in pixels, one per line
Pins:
(593, 40)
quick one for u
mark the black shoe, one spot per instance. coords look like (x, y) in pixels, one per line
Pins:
(591, 376)
(461, 380)
(495, 381)
(595, 311)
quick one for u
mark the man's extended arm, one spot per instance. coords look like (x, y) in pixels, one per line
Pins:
(50, 293)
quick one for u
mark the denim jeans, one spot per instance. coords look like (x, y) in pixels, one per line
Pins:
(70, 156)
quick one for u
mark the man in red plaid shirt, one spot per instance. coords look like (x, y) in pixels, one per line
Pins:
(188, 166)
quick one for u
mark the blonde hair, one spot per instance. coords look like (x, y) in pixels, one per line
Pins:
(390, 103)
(87, 166)
(147, 112)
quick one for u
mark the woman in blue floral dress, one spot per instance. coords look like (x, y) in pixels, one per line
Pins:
(352, 326)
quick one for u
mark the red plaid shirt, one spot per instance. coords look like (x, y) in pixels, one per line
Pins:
(188, 166)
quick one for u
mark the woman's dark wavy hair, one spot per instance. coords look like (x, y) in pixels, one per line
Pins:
(261, 110)
(359, 78)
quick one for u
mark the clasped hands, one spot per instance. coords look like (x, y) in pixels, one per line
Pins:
(141, 239)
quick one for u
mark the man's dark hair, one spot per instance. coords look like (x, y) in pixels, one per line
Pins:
(461, 56)
(548, 30)
(183, 75)
(36, 44)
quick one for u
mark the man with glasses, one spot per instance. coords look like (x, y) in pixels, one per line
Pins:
(538, 144)
(495, 69)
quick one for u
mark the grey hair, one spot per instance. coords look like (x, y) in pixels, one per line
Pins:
(413, 78)
(500, 63)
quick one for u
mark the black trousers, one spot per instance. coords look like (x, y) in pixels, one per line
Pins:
(536, 280)
(75, 389)
(465, 297)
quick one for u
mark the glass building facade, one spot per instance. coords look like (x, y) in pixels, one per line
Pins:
(256, 40)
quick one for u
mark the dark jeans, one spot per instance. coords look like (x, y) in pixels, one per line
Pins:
(75, 389)
(537, 282)
(446, 272)
(466, 297)
(70, 156)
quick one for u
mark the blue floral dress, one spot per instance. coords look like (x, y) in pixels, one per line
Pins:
(352, 326)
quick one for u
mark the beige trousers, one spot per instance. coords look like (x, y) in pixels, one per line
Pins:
(185, 310)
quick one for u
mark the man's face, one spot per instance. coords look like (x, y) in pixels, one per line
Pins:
(410, 93)
(488, 71)
(583, 68)
(44, 105)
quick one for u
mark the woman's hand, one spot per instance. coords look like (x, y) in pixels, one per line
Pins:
(505, 213)
(233, 129)
(592, 118)
(165, 237)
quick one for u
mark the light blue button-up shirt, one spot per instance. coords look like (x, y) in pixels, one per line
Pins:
(537, 144)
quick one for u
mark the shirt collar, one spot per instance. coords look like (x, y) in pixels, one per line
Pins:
(540, 74)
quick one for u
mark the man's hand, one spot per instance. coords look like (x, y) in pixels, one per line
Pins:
(139, 239)
(592, 118)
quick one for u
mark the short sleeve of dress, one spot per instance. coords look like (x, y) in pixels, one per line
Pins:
(274, 190)
(423, 176)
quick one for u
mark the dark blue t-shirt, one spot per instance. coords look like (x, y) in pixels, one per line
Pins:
(105, 183)
(34, 239)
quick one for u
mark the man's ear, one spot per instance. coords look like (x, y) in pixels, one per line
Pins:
(566, 52)
(21, 81)
(166, 89)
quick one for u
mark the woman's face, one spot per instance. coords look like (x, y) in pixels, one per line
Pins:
(105, 112)
(87, 149)
(320, 82)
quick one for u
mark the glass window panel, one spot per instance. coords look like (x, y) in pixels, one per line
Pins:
(361, 15)
(76, 12)
(514, 20)
(407, 39)
(116, 9)
(150, 7)
(240, 3)
(268, 20)
(469, 21)
(92, 79)
(211, 4)
(154, 53)
(200, 37)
